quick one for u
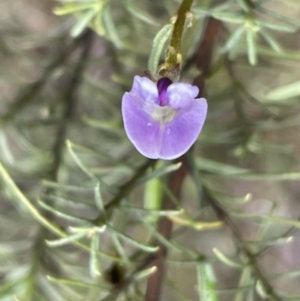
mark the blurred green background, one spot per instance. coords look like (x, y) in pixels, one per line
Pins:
(65, 156)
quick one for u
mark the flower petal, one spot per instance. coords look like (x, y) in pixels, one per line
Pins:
(180, 95)
(145, 89)
(181, 133)
(142, 130)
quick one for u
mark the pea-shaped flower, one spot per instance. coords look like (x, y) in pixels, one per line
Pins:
(163, 119)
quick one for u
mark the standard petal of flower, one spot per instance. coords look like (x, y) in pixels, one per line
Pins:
(141, 129)
(145, 89)
(180, 134)
(180, 95)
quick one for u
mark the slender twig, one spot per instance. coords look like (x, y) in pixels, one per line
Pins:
(173, 60)
(203, 62)
(251, 258)
(124, 190)
(165, 228)
(204, 53)
(242, 120)
(70, 98)
(38, 215)
(26, 202)
(28, 94)
(179, 24)
(40, 255)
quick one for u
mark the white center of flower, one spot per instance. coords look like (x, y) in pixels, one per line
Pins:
(162, 114)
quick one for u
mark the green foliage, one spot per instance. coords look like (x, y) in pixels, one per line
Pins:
(84, 216)
(207, 284)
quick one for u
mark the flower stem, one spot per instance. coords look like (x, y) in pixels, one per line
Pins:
(173, 54)
(179, 24)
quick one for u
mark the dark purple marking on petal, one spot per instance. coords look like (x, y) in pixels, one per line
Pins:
(162, 86)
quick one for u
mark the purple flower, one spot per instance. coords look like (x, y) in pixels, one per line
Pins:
(163, 120)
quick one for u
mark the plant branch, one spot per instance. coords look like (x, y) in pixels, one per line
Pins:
(173, 60)
(40, 254)
(179, 25)
(164, 228)
(203, 60)
(204, 53)
(124, 190)
(70, 98)
(222, 214)
(26, 96)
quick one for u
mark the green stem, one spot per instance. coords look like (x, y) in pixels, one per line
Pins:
(173, 54)
(125, 189)
(179, 24)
